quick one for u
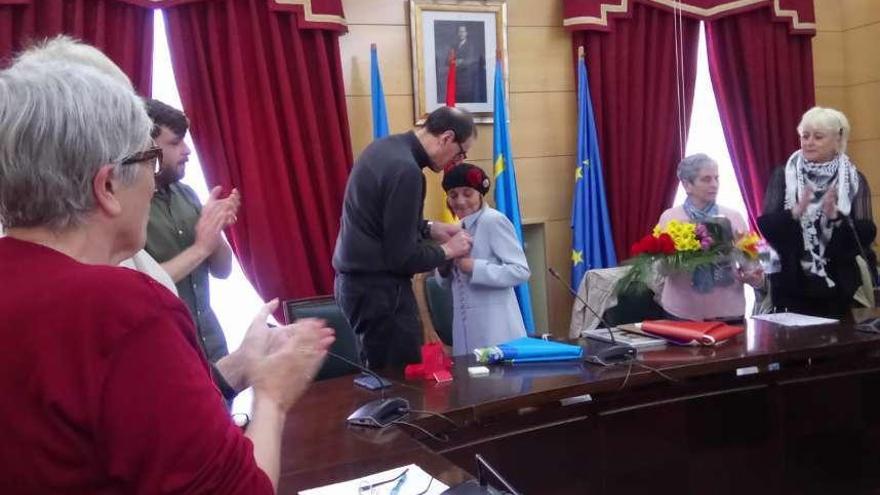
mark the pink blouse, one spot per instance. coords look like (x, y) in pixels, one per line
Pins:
(681, 300)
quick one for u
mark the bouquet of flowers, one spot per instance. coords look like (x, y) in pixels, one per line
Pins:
(685, 247)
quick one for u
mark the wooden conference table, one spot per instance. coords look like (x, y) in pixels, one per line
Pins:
(777, 410)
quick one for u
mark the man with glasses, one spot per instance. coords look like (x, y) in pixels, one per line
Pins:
(184, 236)
(384, 240)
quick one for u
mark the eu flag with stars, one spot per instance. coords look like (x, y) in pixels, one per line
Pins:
(380, 113)
(506, 199)
(592, 245)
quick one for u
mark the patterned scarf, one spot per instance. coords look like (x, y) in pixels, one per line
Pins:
(700, 214)
(815, 226)
(707, 277)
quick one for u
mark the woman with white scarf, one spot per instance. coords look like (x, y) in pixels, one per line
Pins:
(818, 217)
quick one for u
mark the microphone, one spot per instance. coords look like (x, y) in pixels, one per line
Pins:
(380, 412)
(617, 353)
(380, 383)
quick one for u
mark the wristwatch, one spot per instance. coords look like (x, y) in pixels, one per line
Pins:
(426, 229)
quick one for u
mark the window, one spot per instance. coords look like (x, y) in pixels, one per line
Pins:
(707, 136)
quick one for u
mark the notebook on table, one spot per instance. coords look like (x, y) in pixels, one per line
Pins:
(705, 333)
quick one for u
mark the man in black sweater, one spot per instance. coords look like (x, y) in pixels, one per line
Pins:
(383, 239)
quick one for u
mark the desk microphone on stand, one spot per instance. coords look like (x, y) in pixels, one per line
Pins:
(377, 413)
(617, 353)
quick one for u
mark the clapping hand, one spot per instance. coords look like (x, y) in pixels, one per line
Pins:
(216, 215)
(829, 202)
(803, 203)
(291, 360)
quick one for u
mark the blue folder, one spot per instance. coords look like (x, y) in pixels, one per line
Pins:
(529, 350)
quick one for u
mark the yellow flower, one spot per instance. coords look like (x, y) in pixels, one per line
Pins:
(748, 244)
(683, 235)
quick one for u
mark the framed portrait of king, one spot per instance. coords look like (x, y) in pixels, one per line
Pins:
(461, 36)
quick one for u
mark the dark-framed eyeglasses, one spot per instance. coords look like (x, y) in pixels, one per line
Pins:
(152, 156)
(461, 152)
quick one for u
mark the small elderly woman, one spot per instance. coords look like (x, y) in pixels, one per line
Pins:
(817, 216)
(711, 292)
(486, 312)
(102, 373)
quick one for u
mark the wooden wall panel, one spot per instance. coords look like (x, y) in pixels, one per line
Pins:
(862, 60)
(548, 183)
(832, 96)
(376, 12)
(847, 73)
(829, 15)
(828, 64)
(864, 154)
(400, 111)
(543, 124)
(534, 13)
(857, 13)
(863, 101)
(558, 245)
(395, 62)
(543, 62)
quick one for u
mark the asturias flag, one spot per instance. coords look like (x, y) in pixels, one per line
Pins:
(592, 245)
(506, 199)
(380, 113)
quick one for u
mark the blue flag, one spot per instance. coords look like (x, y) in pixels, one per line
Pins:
(380, 114)
(591, 243)
(506, 200)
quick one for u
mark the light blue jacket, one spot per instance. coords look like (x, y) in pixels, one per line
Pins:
(486, 312)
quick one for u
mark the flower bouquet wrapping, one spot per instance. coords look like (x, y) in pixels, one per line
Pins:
(706, 250)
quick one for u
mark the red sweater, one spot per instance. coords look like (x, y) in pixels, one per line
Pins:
(104, 387)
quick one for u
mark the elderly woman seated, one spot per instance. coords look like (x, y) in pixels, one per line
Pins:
(105, 388)
(817, 216)
(711, 292)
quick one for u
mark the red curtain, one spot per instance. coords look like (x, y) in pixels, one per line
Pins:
(632, 70)
(121, 30)
(267, 105)
(763, 80)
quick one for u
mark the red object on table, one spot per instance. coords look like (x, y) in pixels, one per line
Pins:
(435, 364)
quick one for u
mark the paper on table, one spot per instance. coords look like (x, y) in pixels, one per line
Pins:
(794, 319)
(416, 481)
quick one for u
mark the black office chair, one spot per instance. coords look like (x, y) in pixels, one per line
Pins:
(634, 307)
(440, 308)
(346, 344)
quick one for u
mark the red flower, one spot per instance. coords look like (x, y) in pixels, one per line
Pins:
(645, 245)
(665, 244)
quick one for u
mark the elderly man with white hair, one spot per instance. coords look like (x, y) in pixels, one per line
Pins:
(817, 216)
(106, 388)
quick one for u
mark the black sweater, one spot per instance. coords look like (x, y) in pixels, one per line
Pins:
(381, 227)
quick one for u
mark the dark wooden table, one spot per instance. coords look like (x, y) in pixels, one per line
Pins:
(776, 410)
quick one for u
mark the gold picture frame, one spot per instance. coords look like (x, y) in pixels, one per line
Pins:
(476, 31)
